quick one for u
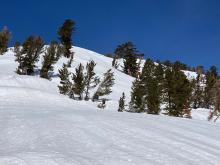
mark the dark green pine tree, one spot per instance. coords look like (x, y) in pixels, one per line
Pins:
(51, 56)
(137, 103)
(5, 36)
(215, 97)
(210, 78)
(78, 81)
(178, 92)
(29, 55)
(65, 84)
(105, 86)
(130, 60)
(90, 79)
(130, 55)
(152, 90)
(121, 103)
(65, 36)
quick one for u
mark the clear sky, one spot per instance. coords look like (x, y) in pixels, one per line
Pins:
(186, 30)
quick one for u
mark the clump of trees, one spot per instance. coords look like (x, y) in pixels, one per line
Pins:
(5, 36)
(177, 93)
(27, 54)
(168, 85)
(157, 85)
(81, 84)
(146, 90)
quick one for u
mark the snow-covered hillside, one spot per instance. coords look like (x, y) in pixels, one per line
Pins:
(41, 127)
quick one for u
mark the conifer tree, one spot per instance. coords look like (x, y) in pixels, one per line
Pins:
(130, 55)
(65, 36)
(105, 86)
(178, 92)
(215, 98)
(78, 81)
(65, 84)
(5, 36)
(51, 56)
(29, 55)
(121, 106)
(211, 76)
(137, 103)
(151, 88)
(90, 79)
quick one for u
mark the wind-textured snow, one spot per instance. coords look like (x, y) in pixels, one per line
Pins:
(41, 127)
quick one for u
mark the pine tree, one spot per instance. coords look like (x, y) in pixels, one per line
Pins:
(130, 55)
(178, 92)
(152, 91)
(215, 98)
(121, 106)
(78, 81)
(51, 56)
(29, 55)
(137, 100)
(5, 36)
(210, 78)
(105, 86)
(65, 36)
(65, 84)
(130, 60)
(90, 79)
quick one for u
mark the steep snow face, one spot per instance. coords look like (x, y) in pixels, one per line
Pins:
(123, 82)
(39, 126)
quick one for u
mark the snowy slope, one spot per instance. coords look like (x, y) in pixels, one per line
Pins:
(41, 127)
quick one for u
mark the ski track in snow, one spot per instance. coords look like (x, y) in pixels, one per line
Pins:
(41, 127)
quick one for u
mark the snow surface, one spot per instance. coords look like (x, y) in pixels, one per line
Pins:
(41, 127)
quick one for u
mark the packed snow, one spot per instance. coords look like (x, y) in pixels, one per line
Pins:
(41, 127)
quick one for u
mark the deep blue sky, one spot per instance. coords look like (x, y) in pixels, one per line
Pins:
(186, 30)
